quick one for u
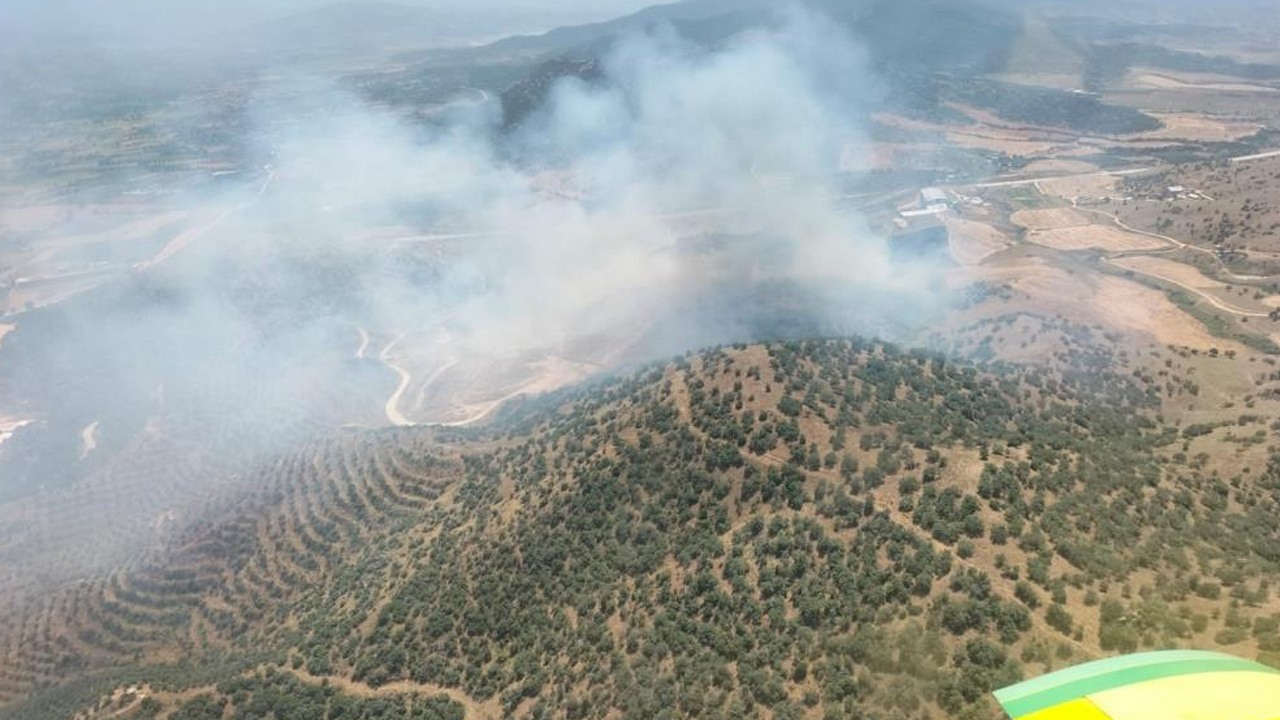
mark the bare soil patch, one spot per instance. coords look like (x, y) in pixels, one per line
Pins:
(1090, 297)
(1069, 229)
(88, 439)
(1171, 269)
(10, 425)
(982, 135)
(1165, 80)
(1081, 186)
(1049, 219)
(1057, 165)
(1094, 236)
(971, 242)
(1129, 305)
(1085, 237)
(467, 392)
(49, 291)
(1199, 128)
(129, 230)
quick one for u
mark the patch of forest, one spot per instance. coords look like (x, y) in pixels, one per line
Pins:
(835, 527)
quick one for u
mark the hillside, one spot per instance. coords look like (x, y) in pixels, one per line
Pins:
(834, 528)
(931, 54)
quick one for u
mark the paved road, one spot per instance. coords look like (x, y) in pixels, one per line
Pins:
(1105, 173)
(185, 238)
(1033, 181)
(1256, 156)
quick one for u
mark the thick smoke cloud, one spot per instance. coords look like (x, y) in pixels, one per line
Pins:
(392, 268)
(576, 222)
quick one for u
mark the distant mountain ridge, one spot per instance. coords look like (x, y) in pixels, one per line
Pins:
(930, 52)
(566, 38)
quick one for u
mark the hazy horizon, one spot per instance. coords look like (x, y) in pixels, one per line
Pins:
(155, 22)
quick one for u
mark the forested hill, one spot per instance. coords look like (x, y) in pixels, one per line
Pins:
(823, 529)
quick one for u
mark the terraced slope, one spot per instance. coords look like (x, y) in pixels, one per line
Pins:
(819, 529)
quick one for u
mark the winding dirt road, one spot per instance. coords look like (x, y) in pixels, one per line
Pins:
(1210, 298)
(364, 343)
(1177, 244)
(184, 239)
(392, 407)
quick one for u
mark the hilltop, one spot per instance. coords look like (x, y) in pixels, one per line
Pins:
(827, 528)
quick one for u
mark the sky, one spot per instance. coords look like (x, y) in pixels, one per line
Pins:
(128, 18)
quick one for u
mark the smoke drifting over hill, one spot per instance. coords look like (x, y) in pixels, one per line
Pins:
(587, 202)
(683, 197)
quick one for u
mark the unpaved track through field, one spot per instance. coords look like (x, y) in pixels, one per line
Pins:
(475, 709)
(392, 407)
(184, 239)
(1177, 244)
(1104, 173)
(1211, 299)
(88, 439)
(364, 343)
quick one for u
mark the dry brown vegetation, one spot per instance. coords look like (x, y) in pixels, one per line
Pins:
(1232, 206)
(346, 554)
(970, 242)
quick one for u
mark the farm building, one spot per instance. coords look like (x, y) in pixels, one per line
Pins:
(931, 196)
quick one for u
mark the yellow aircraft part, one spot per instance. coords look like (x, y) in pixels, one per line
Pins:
(1206, 696)
(1170, 685)
(1078, 709)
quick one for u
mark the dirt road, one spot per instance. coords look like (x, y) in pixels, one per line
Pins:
(1177, 244)
(392, 407)
(8, 426)
(490, 709)
(364, 343)
(88, 439)
(184, 239)
(1105, 173)
(1256, 156)
(1212, 300)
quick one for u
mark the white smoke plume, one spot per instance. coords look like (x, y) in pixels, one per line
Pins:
(582, 210)
(391, 268)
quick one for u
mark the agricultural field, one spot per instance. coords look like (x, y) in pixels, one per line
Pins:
(971, 241)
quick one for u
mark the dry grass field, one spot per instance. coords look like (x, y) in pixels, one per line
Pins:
(1068, 229)
(1178, 272)
(1163, 79)
(1200, 128)
(970, 242)
(1059, 166)
(1233, 205)
(1024, 142)
(1081, 186)
(1092, 298)
(1049, 219)
(10, 425)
